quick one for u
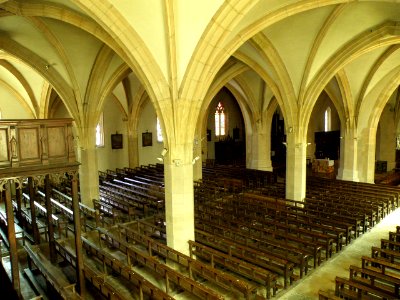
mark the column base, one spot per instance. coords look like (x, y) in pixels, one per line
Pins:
(348, 175)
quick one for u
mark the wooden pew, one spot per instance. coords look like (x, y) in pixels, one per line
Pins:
(325, 295)
(391, 255)
(42, 227)
(282, 207)
(264, 253)
(280, 263)
(169, 274)
(229, 213)
(63, 288)
(141, 196)
(107, 209)
(380, 265)
(224, 280)
(88, 213)
(266, 235)
(378, 281)
(388, 244)
(119, 203)
(348, 289)
(144, 287)
(134, 205)
(19, 232)
(394, 236)
(235, 265)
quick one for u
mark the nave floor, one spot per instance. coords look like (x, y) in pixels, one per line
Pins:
(324, 276)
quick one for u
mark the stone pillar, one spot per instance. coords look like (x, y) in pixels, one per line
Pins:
(89, 175)
(261, 152)
(197, 162)
(133, 153)
(179, 206)
(296, 153)
(80, 279)
(366, 151)
(12, 241)
(348, 168)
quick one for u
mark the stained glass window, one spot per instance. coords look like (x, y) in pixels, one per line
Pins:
(220, 120)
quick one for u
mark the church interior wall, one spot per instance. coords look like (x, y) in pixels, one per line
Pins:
(147, 123)
(108, 158)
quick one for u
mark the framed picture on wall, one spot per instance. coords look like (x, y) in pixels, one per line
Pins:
(147, 139)
(116, 141)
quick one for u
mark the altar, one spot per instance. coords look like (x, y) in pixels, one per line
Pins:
(323, 166)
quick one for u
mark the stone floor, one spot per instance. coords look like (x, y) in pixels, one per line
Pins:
(324, 276)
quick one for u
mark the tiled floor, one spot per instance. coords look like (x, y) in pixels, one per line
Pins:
(324, 276)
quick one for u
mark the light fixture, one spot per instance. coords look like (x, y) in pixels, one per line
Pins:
(284, 143)
(195, 159)
(163, 152)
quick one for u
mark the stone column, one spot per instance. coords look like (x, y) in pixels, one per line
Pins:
(348, 157)
(133, 153)
(88, 175)
(261, 152)
(366, 142)
(179, 206)
(296, 153)
(197, 162)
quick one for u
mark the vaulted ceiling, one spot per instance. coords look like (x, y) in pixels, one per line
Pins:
(77, 51)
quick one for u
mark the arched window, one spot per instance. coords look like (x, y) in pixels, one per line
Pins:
(159, 131)
(100, 132)
(327, 119)
(220, 120)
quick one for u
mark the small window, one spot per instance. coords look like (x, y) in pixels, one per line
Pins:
(220, 120)
(327, 119)
(100, 132)
(159, 131)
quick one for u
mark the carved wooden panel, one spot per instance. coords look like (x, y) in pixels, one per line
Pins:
(35, 143)
(4, 152)
(29, 143)
(57, 141)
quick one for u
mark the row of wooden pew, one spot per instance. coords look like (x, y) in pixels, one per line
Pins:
(283, 232)
(377, 278)
(125, 247)
(128, 194)
(236, 217)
